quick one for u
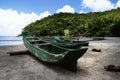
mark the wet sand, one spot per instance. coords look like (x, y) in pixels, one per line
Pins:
(90, 66)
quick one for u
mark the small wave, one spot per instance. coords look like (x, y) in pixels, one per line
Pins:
(10, 40)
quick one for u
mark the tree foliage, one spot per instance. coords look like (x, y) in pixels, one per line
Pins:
(90, 24)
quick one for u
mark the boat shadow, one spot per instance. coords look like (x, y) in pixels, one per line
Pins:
(57, 68)
(54, 67)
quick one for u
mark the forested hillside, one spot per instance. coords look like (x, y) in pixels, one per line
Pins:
(90, 24)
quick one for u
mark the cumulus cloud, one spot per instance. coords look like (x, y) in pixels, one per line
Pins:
(98, 5)
(118, 4)
(12, 22)
(44, 14)
(82, 12)
(67, 9)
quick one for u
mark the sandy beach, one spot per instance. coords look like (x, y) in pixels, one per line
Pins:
(90, 66)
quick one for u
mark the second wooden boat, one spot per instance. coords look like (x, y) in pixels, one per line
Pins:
(70, 44)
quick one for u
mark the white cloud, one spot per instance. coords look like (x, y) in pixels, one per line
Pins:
(44, 14)
(118, 4)
(98, 5)
(67, 9)
(12, 22)
(82, 12)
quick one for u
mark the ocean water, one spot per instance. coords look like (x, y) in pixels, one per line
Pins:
(10, 40)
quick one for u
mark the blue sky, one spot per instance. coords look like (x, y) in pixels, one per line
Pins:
(38, 6)
(16, 14)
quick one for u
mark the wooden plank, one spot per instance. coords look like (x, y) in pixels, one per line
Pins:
(18, 53)
(112, 67)
(34, 40)
(96, 50)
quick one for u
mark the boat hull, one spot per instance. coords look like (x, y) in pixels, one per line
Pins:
(50, 53)
(69, 44)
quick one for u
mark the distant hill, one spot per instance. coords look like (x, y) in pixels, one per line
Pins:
(90, 24)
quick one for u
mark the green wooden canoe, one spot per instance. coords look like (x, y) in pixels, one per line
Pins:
(51, 53)
(67, 43)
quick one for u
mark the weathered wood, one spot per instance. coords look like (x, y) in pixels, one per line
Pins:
(96, 50)
(18, 53)
(112, 67)
(34, 41)
(53, 54)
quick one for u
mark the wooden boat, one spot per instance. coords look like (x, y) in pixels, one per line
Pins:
(69, 43)
(50, 53)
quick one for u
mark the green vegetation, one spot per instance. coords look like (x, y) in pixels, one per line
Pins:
(91, 24)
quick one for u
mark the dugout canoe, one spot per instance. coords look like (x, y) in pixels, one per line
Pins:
(50, 53)
(70, 44)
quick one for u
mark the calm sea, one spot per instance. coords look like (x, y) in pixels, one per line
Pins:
(10, 40)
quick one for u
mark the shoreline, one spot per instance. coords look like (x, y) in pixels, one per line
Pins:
(90, 66)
